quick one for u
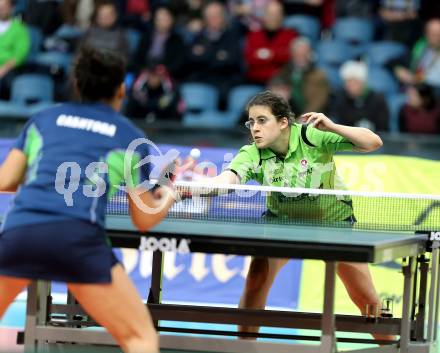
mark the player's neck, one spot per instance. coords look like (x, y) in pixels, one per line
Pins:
(114, 103)
(281, 145)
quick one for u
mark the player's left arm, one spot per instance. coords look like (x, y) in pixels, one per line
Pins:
(364, 140)
(13, 170)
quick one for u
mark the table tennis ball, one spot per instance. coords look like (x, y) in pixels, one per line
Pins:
(195, 153)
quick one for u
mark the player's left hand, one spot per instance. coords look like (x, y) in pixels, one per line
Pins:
(318, 121)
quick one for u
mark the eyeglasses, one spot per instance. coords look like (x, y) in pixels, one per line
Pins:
(260, 121)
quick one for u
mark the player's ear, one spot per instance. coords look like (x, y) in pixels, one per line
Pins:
(284, 122)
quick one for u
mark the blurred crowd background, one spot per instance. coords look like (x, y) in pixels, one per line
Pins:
(363, 62)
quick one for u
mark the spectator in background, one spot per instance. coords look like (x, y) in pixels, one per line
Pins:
(249, 14)
(189, 17)
(105, 32)
(356, 8)
(44, 14)
(214, 56)
(309, 88)
(421, 113)
(357, 105)
(154, 96)
(136, 13)
(400, 20)
(14, 46)
(78, 13)
(161, 45)
(304, 7)
(267, 50)
(425, 59)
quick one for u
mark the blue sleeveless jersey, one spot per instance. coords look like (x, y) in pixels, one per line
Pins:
(75, 162)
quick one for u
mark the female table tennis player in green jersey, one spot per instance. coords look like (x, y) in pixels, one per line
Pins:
(285, 153)
(47, 236)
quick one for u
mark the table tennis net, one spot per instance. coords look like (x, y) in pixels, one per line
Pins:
(316, 207)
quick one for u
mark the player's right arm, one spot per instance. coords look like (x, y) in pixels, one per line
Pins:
(239, 171)
(226, 177)
(148, 208)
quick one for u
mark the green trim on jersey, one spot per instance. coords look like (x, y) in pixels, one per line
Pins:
(115, 162)
(33, 149)
(308, 164)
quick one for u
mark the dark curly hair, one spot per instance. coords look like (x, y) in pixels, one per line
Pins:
(277, 105)
(98, 73)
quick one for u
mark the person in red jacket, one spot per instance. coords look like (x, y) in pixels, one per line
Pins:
(267, 50)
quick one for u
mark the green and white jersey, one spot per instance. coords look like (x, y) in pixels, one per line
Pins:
(308, 163)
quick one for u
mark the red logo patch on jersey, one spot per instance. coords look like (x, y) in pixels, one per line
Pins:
(304, 162)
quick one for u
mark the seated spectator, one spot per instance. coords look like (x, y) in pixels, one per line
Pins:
(425, 60)
(400, 20)
(214, 56)
(421, 113)
(304, 7)
(105, 32)
(46, 15)
(78, 13)
(161, 45)
(357, 105)
(267, 50)
(14, 46)
(136, 13)
(154, 96)
(189, 17)
(309, 88)
(248, 14)
(355, 8)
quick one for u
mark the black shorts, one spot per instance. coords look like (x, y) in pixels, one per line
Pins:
(71, 251)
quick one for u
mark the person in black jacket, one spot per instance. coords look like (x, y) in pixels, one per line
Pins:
(161, 45)
(214, 56)
(356, 104)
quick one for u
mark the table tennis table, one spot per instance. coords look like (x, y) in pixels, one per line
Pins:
(417, 327)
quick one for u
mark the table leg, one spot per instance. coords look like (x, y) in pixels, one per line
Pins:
(328, 339)
(155, 295)
(421, 305)
(433, 294)
(408, 286)
(36, 313)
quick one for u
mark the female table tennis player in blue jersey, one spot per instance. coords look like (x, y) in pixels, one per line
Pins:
(282, 154)
(51, 235)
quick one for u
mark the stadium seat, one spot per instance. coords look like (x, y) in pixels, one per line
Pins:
(333, 52)
(380, 80)
(357, 32)
(333, 75)
(68, 32)
(133, 38)
(29, 94)
(239, 96)
(36, 41)
(354, 30)
(380, 53)
(10, 110)
(306, 26)
(199, 97)
(210, 118)
(54, 60)
(32, 88)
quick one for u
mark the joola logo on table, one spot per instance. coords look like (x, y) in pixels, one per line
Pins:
(165, 245)
(435, 236)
